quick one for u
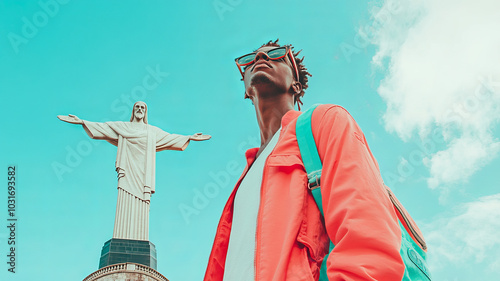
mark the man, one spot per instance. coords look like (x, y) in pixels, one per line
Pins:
(137, 143)
(271, 227)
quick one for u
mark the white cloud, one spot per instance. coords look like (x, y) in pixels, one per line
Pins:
(470, 238)
(464, 156)
(442, 60)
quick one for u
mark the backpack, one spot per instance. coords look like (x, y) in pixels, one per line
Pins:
(412, 254)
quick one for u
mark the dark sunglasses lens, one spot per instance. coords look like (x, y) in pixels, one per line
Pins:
(246, 59)
(276, 53)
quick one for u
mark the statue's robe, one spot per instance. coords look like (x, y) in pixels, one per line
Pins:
(135, 164)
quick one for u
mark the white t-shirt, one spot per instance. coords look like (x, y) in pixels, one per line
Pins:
(240, 259)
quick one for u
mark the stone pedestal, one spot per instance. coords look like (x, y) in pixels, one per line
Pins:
(117, 251)
(126, 272)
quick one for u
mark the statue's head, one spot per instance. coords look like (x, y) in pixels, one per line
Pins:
(139, 112)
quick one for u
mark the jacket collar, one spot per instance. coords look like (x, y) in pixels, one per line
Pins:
(288, 117)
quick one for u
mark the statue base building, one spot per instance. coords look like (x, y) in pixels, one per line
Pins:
(126, 250)
(126, 272)
(125, 260)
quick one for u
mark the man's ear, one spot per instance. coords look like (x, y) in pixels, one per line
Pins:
(296, 87)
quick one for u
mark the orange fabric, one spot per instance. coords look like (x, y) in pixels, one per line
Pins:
(291, 238)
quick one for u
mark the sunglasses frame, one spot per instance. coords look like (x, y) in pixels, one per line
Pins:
(288, 52)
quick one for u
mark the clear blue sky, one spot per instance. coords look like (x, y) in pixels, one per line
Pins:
(91, 58)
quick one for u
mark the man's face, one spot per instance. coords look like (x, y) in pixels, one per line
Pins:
(139, 111)
(269, 73)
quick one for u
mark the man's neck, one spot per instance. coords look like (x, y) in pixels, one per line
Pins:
(269, 112)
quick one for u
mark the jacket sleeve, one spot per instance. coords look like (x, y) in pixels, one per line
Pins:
(359, 216)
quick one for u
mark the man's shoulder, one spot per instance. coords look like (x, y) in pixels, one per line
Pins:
(334, 120)
(331, 107)
(330, 112)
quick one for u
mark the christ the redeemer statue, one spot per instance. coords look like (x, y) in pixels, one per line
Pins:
(137, 143)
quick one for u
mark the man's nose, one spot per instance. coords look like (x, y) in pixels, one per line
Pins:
(261, 55)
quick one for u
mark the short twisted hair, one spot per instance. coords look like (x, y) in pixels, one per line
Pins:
(303, 73)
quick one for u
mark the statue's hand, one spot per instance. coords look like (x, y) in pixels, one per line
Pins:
(70, 119)
(199, 137)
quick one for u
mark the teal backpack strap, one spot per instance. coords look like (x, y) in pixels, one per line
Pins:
(309, 154)
(313, 166)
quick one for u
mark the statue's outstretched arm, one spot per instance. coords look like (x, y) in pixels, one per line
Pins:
(70, 118)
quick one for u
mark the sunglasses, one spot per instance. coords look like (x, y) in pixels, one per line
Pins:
(272, 54)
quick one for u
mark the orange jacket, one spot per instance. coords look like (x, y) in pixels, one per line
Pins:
(359, 216)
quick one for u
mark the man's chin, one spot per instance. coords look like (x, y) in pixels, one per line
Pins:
(260, 78)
